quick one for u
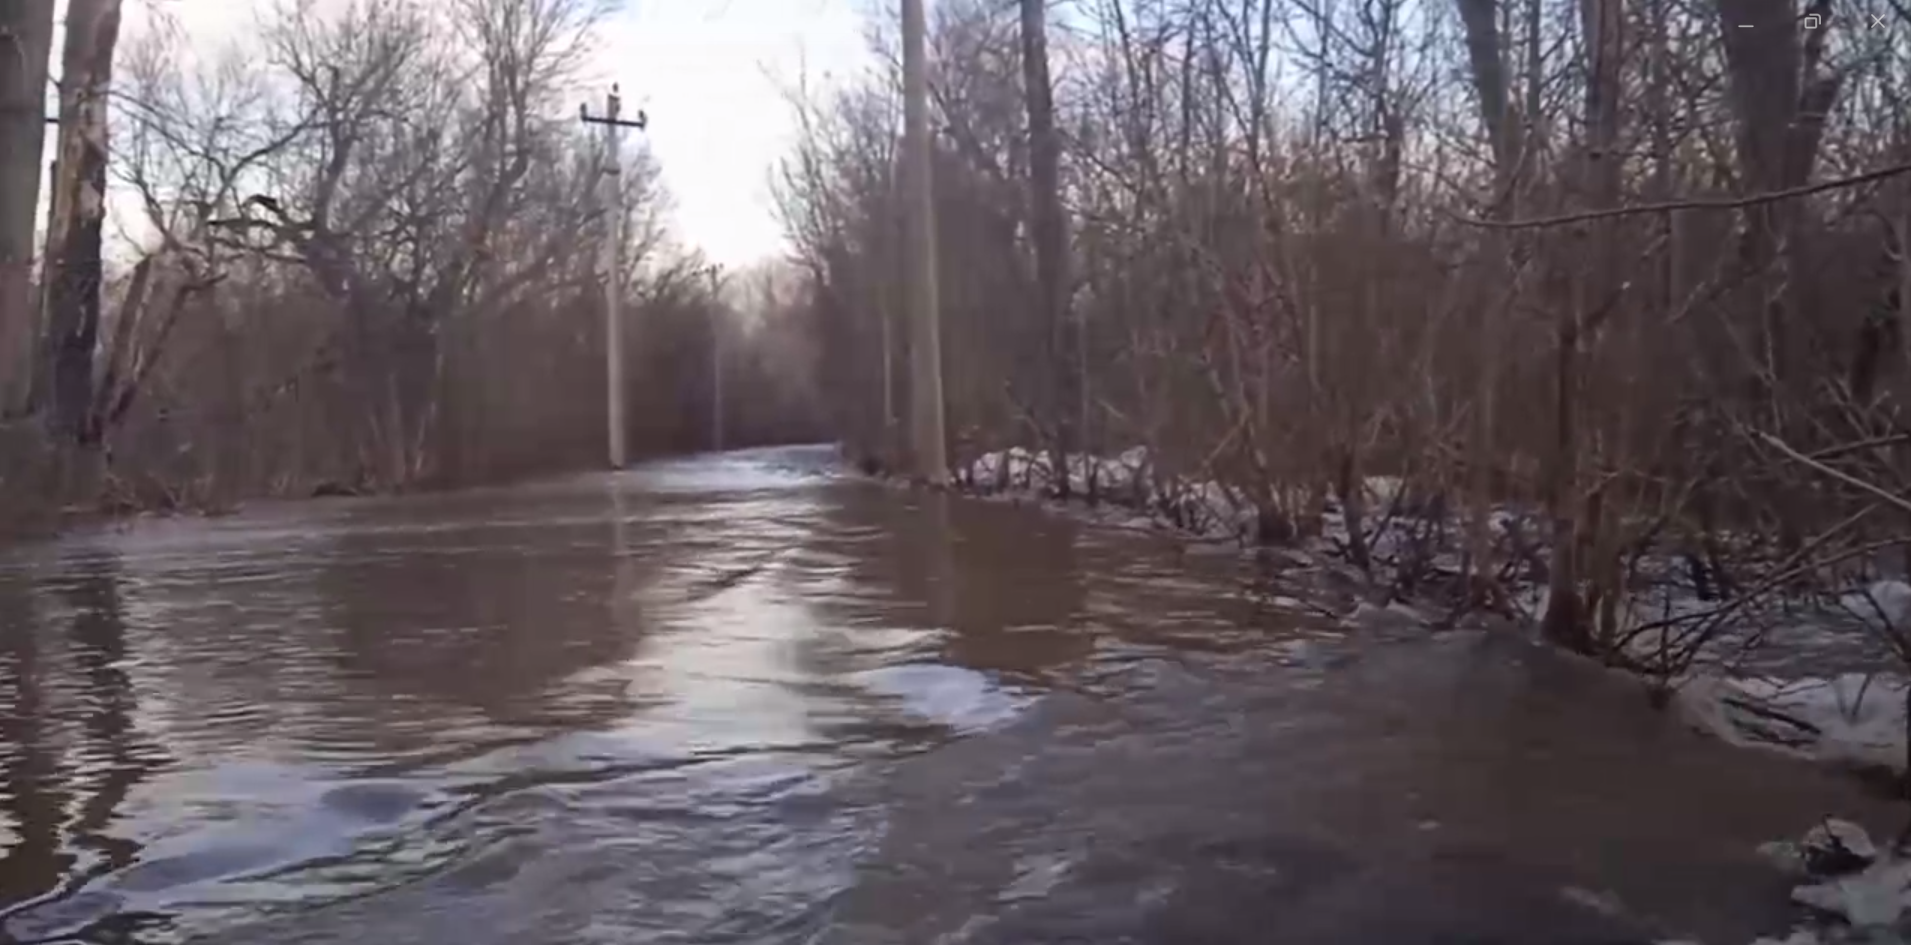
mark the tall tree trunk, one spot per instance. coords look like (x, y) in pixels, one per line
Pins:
(26, 40)
(1051, 235)
(1486, 54)
(1780, 96)
(1565, 621)
(74, 230)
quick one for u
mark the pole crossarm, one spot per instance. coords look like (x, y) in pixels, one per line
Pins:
(641, 122)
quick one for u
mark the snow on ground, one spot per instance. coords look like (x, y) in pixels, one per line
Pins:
(1797, 937)
(1132, 479)
(1885, 605)
(1852, 719)
(1854, 892)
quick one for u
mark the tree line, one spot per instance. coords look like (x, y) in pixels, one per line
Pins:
(1637, 265)
(362, 253)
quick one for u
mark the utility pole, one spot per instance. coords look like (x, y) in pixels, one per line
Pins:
(716, 360)
(920, 250)
(612, 206)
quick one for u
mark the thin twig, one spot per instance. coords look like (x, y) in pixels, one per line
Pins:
(1840, 475)
(1736, 203)
(1862, 445)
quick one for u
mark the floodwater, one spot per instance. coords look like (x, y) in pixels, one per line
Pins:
(741, 699)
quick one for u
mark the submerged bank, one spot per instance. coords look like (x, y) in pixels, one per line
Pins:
(1786, 689)
(1819, 684)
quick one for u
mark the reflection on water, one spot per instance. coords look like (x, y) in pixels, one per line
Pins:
(71, 753)
(739, 699)
(36, 810)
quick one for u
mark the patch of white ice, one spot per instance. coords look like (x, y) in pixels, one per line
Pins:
(1874, 898)
(960, 698)
(1383, 490)
(1860, 895)
(1885, 605)
(1797, 937)
(1854, 718)
(1036, 876)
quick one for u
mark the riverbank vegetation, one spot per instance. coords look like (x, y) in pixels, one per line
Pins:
(1612, 296)
(1617, 262)
(359, 248)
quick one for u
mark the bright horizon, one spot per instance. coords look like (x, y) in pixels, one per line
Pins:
(712, 76)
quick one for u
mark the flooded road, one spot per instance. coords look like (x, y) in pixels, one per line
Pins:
(743, 700)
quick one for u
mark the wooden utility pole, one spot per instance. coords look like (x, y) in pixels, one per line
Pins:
(920, 251)
(716, 360)
(1051, 238)
(612, 206)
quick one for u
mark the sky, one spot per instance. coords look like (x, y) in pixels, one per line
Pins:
(710, 74)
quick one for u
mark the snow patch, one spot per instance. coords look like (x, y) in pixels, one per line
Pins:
(1036, 876)
(1856, 892)
(1874, 898)
(1384, 491)
(1854, 718)
(1130, 478)
(1885, 605)
(1797, 937)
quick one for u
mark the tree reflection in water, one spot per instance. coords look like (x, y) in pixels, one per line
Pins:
(71, 753)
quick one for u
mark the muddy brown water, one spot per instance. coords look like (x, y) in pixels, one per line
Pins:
(741, 699)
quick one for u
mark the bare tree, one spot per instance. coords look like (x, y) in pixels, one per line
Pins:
(76, 225)
(26, 39)
(1592, 282)
(1051, 240)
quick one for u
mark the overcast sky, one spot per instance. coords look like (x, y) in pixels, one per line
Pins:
(708, 72)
